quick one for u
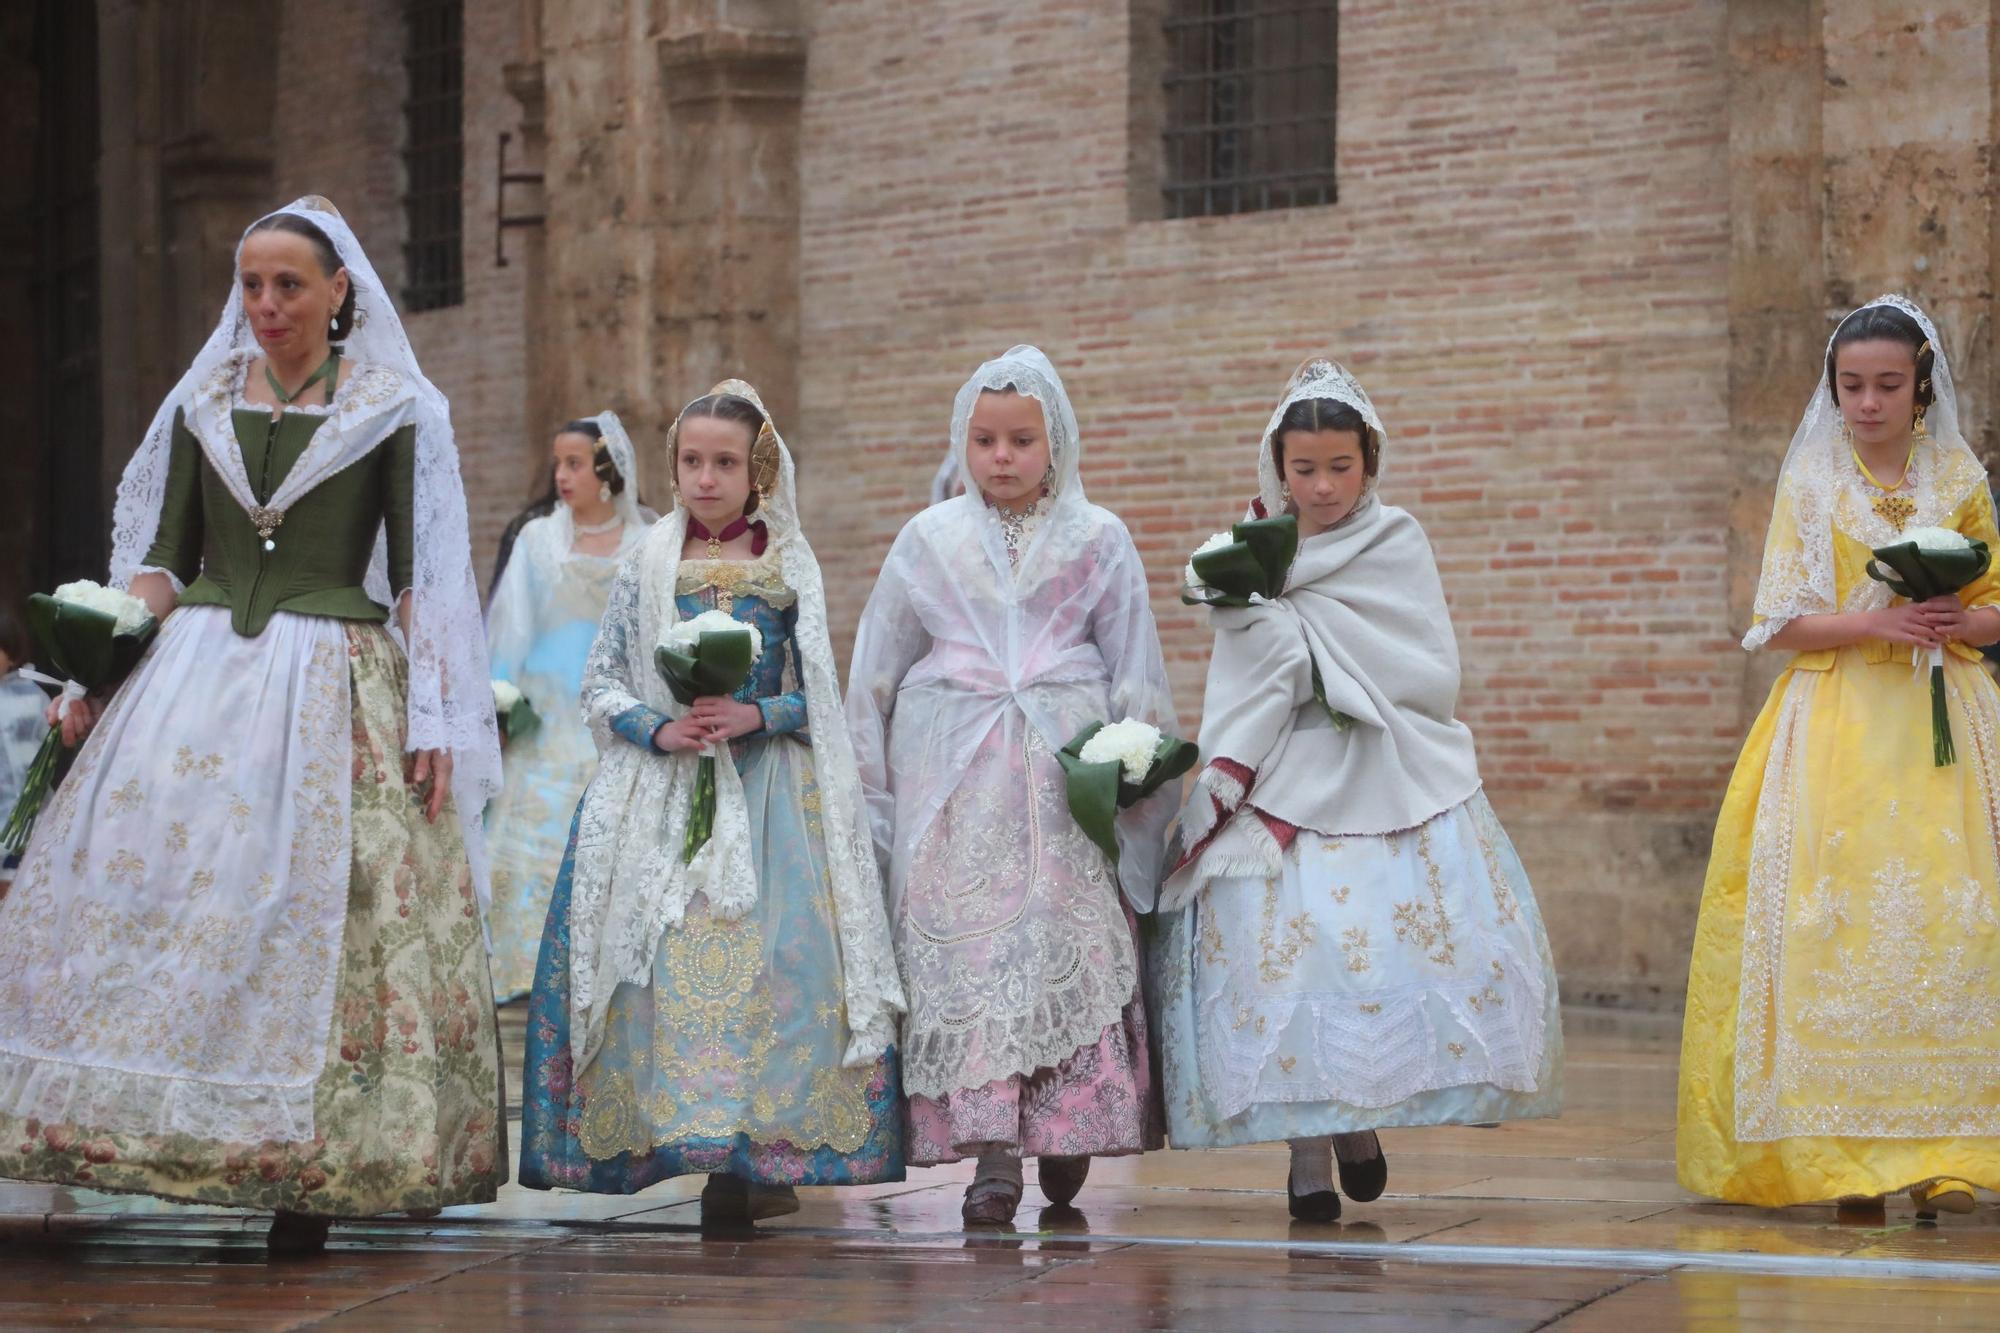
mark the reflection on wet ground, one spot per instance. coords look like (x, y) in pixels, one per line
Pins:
(1573, 1224)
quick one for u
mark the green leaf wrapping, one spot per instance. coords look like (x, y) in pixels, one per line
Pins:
(1910, 571)
(1254, 563)
(521, 721)
(719, 665)
(1097, 792)
(83, 645)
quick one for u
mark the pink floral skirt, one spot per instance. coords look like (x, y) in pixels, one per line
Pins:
(1100, 1102)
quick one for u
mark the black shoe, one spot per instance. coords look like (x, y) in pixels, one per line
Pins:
(1319, 1206)
(295, 1234)
(1061, 1178)
(1364, 1181)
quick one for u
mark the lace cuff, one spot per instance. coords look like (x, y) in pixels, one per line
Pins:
(638, 724)
(173, 578)
(783, 712)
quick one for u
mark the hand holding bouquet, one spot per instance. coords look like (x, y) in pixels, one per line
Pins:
(1110, 767)
(94, 636)
(707, 656)
(1250, 560)
(1927, 563)
(516, 716)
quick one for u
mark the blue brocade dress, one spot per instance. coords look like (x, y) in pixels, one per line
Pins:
(729, 1061)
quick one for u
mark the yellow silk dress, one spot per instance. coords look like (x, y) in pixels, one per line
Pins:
(1842, 1034)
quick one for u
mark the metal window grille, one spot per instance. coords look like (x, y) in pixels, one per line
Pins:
(433, 154)
(1250, 90)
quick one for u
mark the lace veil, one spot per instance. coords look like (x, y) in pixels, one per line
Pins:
(1327, 379)
(1819, 490)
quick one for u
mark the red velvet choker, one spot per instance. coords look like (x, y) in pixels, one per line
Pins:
(760, 535)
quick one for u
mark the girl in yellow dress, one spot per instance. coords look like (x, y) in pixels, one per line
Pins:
(1842, 1039)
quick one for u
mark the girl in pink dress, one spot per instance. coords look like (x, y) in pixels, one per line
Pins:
(1005, 620)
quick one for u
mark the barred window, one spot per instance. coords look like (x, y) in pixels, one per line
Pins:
(433, 154)
(1250, 88)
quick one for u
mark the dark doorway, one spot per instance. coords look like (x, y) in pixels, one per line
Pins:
(73, 538)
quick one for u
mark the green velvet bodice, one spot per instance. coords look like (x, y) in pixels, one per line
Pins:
(319, 555)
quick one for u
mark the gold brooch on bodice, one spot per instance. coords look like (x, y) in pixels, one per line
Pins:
(267, 521)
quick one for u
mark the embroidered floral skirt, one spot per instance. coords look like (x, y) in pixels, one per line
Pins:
(1842, 1034)
(1373, 982)
(407, 1113)
(729, 1061)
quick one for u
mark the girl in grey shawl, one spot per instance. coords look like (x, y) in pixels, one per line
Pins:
(1348, 939)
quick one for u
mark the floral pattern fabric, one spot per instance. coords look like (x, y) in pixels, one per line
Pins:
(407, 1111)
(730, 1059)
(1373, 982)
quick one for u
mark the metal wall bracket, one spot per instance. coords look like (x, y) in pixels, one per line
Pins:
(501, 221)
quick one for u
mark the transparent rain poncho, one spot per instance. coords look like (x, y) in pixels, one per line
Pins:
(985, 647)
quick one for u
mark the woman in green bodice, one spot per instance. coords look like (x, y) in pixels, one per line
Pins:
(243, 961)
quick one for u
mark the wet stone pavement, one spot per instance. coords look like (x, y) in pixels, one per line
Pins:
(1571, 1224)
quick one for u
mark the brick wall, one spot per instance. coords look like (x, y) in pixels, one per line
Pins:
(1527, 268)
(348, 147)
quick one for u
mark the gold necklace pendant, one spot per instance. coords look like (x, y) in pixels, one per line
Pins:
(1895, 510)
(714, 549)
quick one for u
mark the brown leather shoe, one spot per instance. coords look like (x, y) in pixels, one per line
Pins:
(990, 1203)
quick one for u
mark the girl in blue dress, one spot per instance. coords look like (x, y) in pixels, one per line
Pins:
(735, 1014)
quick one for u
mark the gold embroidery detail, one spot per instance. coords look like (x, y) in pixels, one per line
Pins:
(127, 797)
(1278, 959)
(1354, 942)
(1427, 924)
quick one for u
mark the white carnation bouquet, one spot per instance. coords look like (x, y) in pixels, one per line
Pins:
(1111, 766)
(709, 655)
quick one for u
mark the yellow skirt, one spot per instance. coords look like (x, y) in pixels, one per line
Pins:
(1842, 1034)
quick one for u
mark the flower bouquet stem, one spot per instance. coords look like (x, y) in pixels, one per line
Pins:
(1927, 563)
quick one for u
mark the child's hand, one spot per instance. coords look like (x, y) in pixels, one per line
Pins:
(1946, 616)
(724, 719)
(683, 733)
(1909, 623)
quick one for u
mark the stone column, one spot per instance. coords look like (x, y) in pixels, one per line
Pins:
(727, 273)
(1777, 274)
